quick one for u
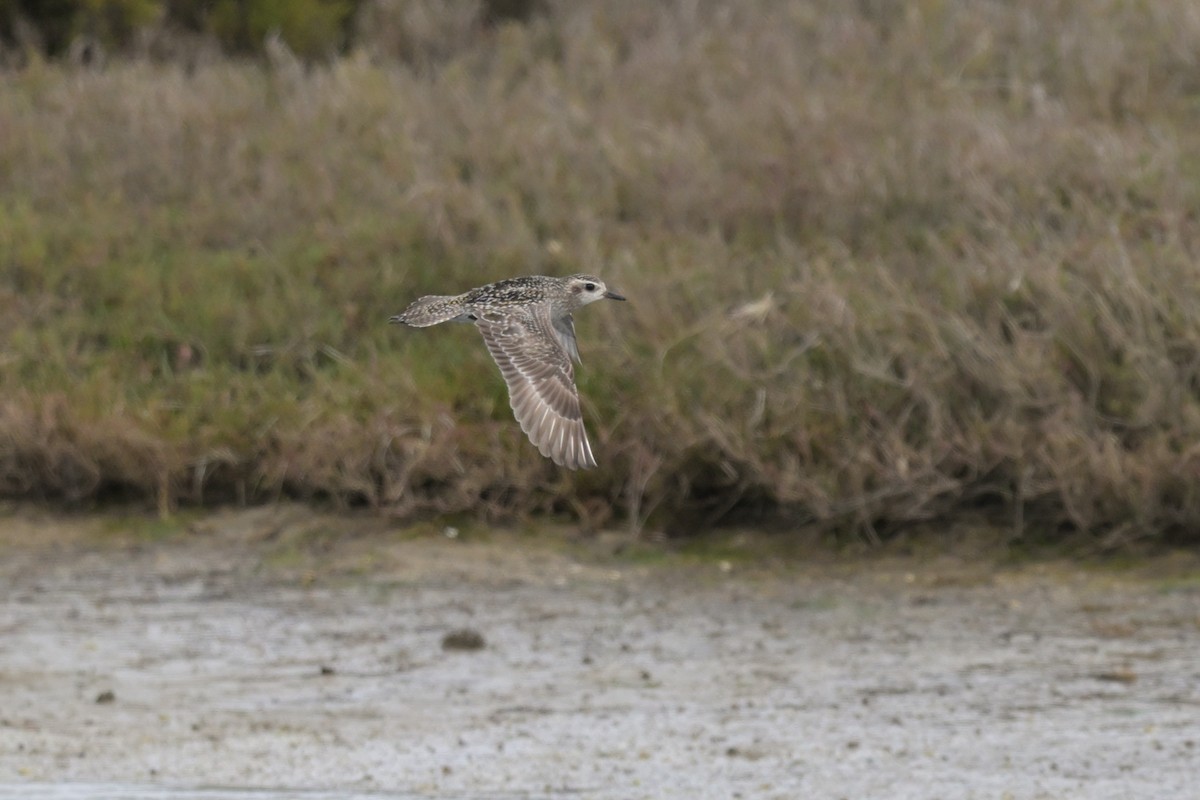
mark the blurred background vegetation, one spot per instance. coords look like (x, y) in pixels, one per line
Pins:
(312, 29)
(890, 264)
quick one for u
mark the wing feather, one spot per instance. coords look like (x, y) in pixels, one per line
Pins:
(564, 329)
(534, 355)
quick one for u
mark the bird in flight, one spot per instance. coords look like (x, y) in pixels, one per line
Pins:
(528, 327)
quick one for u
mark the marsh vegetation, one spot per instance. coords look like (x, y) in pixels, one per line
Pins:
(889, 264)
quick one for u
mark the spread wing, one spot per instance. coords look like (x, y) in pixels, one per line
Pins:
(532, 353)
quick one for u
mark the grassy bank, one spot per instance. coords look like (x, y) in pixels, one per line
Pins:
(884, 267)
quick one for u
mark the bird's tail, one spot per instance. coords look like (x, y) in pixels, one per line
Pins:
(430, 310)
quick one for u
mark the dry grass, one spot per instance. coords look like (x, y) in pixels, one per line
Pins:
(889, 264)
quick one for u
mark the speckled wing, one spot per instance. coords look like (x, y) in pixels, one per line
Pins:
(541, 382)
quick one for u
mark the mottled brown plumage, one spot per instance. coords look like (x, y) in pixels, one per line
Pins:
(528, 328)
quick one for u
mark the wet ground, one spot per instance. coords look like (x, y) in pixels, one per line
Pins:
(273, 653)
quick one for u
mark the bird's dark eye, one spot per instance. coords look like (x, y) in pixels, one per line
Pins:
(591, 287)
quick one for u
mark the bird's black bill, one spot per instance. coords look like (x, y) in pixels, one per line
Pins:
(613, 296)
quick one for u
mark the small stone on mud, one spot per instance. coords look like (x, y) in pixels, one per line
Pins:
(107, 696)
(463, 639)
(327, 670)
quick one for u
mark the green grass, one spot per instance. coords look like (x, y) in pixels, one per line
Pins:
(885, 268)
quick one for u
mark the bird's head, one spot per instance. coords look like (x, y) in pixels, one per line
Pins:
(588, 289)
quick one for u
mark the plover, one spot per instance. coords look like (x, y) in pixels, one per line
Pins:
(528, 328)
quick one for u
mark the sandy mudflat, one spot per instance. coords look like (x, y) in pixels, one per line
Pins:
(303, 656)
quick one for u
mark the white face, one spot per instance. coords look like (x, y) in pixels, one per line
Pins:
(589, 289)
